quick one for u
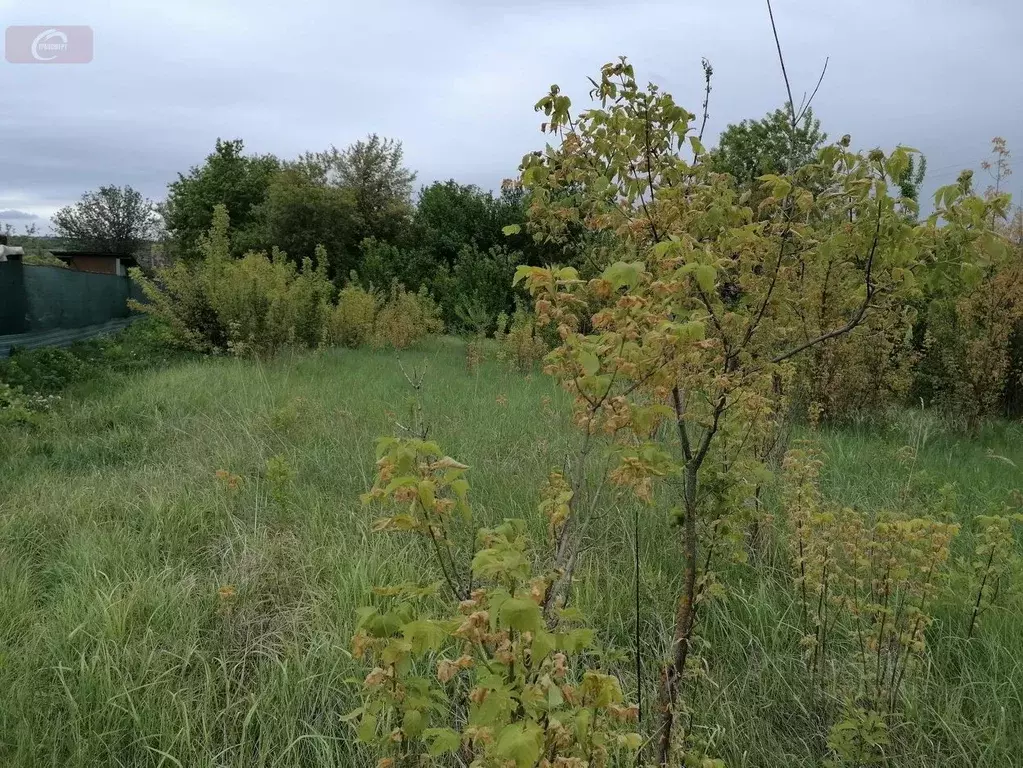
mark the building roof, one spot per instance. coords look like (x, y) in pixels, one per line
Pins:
(93, 255)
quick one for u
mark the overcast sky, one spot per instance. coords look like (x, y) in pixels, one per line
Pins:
(455, 80)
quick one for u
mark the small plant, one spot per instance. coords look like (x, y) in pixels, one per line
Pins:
(995, 563)
(865, 584)
(489, 680)
(253, 306)
(477, 321)
(858, 740)
(18, 408)
(279, 477)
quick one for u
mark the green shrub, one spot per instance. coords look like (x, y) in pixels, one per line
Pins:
(407, 318)
(18, 408)
(519, 340)
(351, 322)
(253, 306)
(268, 304)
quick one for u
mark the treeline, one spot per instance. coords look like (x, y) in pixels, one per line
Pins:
(356, 215)
(355, 218)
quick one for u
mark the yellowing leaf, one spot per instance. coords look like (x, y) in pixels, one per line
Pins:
(590, 362)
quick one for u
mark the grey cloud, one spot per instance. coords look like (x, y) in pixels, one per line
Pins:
(456, 80)
(13, 214)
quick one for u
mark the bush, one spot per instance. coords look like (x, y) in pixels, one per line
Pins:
(255, 305)
(17, 408)
(351, 322)
(407, 318)
(519, 340)
(268, 304)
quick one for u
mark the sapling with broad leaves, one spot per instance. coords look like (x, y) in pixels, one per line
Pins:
(483, 678)
(693, 330)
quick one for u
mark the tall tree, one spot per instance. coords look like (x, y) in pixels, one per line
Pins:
(752, 148)
(227, 177)
(301, 213)
(113, 219)
(373, 171)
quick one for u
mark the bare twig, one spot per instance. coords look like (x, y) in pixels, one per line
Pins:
(781, 60)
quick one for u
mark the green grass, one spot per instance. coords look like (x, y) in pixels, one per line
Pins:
(115, 537)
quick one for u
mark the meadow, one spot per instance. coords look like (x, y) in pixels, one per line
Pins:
(182, 551)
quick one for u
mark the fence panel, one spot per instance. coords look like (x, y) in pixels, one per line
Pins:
(40, 303)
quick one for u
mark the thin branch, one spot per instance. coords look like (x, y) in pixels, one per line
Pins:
(806, 106)
(857, 318)
(708, 72)
(683, 432)
(781, 60)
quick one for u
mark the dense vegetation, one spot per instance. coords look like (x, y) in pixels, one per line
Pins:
(710, 532)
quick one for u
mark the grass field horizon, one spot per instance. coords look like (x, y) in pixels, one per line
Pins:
(152, 614)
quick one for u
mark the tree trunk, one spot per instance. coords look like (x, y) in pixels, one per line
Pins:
(685, 613)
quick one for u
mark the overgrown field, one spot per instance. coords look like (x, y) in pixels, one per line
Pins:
(182, 552)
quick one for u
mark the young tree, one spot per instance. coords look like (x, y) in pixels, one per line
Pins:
(112, 219)
(227, 177)
(695, 328)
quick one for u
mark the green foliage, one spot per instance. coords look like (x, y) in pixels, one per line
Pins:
(450, 217)
(252, 306)
(385, 263)
(705, 309)
(300, 214)
(110, 219)
(351, 322)
(488, 681)
(520, 342)
(753, 148)
(479, 282)
(117, 538)
(49, 371)
(372, 172)
(228, 178)
(406, 318)
(867, 586)
(18, 408)
(858, 740)
(995, 563)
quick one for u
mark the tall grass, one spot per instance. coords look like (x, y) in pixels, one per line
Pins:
(150, 615)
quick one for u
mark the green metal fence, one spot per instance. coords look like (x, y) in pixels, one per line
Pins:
(49, 305)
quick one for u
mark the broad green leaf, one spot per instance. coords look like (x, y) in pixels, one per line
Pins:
(512, 229)
(705, 275)
(590, 362)
(441, 740)
(367, 728)
(520, 742)
(697, 145)
(522, 614)
(624, 273)
(424, 635)
(543, 644)
(631, 740)
(413, 723)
